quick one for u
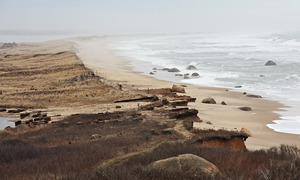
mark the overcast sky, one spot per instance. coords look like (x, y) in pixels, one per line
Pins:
(146, 16)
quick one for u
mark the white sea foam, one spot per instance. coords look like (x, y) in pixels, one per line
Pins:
(228, 60)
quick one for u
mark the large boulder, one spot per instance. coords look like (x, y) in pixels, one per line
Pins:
(188, 165)
(209, 101)
(270, 63)
(191, 67)
(195, 75)
(178, 88)
(173, 70)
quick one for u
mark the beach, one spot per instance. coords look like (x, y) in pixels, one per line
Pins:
(98, 56)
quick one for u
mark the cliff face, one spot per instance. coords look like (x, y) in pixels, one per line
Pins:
(221, 138)
(235, 143)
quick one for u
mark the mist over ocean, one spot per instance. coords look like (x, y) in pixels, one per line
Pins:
(228, 60)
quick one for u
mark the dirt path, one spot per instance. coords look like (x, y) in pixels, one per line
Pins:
(181, 129)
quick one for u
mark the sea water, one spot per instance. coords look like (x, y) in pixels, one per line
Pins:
(4, 122)
(228, 60)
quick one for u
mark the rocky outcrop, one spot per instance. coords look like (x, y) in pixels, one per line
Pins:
(191, 67)
(151, 106)
(179, 103)
(270, 63)
(246, 132)
(173, 70)
(189, 165)
(178, 88)
(209, 101)
(183, 113)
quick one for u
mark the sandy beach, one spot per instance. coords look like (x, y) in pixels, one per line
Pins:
(104, 61)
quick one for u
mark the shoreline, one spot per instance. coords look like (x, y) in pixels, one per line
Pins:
(117, 70)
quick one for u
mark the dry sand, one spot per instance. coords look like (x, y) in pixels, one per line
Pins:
(96, 55)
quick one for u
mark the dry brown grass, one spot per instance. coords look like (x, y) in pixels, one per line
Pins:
(51, 80)
(67, 150)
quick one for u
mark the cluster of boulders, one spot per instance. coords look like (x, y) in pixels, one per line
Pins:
(33, 118)
(185, 76)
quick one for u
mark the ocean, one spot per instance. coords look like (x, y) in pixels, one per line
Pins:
(228, 60)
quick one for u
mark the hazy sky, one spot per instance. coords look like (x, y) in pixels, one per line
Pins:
(146, 16)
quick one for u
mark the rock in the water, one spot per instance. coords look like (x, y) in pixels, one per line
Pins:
(245, 108)
(223, 103)
(189, 165)
(186, 77)
(191, 67)
(178, 75)
(270, 63)
(154, 69)
(262, 75)
(173, 70)
(209, 101)
(178, 88)
(254, 96)
(151, 73)
(246, 132)
(238, 86)
(168, 131)
(195, 75)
